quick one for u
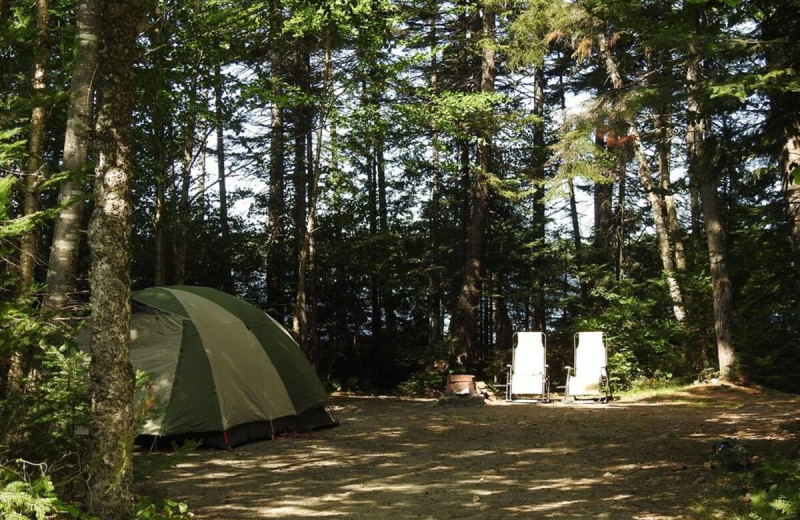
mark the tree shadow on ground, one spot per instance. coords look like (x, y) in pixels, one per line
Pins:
(391, 458)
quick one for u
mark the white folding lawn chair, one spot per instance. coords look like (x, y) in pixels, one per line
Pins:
(527, 373)
(589, 378)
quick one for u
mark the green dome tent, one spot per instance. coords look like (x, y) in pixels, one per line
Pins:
(220, 369)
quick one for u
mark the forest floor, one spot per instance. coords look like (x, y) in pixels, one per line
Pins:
(643, 457)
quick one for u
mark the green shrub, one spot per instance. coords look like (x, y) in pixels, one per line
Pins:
(169, 510)
(24, 496)
(424, 383)
(775, 491)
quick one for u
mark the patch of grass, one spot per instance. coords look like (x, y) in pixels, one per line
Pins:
(771, 491)
(637, 393)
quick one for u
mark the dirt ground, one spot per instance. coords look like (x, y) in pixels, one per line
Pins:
(644, 458)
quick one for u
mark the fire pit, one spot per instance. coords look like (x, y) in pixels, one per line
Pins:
(461, 384)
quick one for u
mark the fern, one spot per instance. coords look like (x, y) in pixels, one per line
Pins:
(777, 497)
(22, 498)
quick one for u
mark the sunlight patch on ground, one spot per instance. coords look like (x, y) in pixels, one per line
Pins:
(391, 432)
(382, 486)
(618, 497)
(538, 508)
(542, 451)
(440, 428)
(569, 484)
(301, 507)
(470, 454)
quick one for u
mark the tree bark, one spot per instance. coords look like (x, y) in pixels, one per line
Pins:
(621, 215)
(657, 206)
(63, 265)
(182, 233)
(503, 329)
(302, 126)
(277, 209)
(465, 314)
(277, 174)
(701, 175)
(111, 424)
(372, 214)
(307, 257)
(539, 314)
(224, 224)
(35, 173)
(784, 120)
(161, 119)
(664, 140)
(789, 163)
(435, 311)
(603, 214)
(576, 226)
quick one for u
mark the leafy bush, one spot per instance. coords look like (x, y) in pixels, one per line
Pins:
(645, 343)
(776, 485)
(170, 510)
(24, 496)
(425, 383)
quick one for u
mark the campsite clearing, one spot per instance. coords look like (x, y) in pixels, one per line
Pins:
(644, 458)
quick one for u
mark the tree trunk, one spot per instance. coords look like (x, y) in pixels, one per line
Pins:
(539, 215)
(435, 311)
(63, 266)
(603, 214)
(784, 120)
(790, 163)
(182, 233)
(35, 174)
(503, 329)
(301, 128)
(435, 314)
(225, 264)
(309, 242)
(387, 295)
(664, 138)
(277, 173)
(111, 419)
(621, 215)
(576, 226)
(372, 213)
(465, 314)
(657, 207)
(161, 117)
(701, 175)
(159, 228)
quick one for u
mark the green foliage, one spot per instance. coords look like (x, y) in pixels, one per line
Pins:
(27, 493)
(776, 490)
(427, 382)
(6, 185)
(577, 155)
(39, 417)
(24, 496)
(169, 510)
(646, 346)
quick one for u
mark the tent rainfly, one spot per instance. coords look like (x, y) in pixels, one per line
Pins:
(220, 369)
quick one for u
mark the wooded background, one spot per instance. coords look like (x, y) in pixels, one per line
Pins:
(405, 184)
(401, 184)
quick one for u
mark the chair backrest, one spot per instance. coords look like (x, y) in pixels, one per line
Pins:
(528, 362)
(590, 355)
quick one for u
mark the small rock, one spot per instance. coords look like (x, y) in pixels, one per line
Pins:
(608, 474)
(475, 499)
